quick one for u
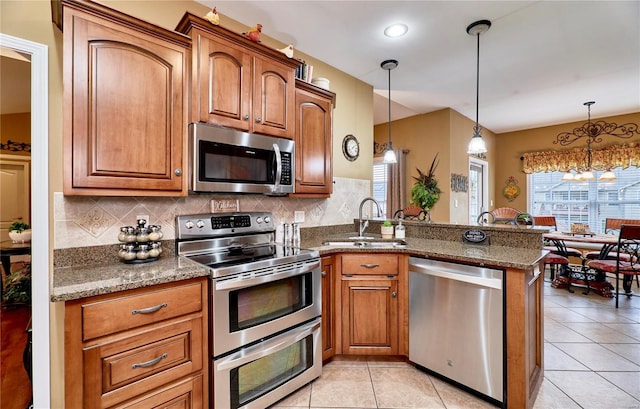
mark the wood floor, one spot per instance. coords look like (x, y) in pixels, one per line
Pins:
(15, 392)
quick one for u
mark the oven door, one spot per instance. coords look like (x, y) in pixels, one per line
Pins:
(262, 374)
(257, 304)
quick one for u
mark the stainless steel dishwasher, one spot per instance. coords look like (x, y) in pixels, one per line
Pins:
(456, 323)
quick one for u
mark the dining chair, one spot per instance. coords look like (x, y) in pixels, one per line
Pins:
(629, 245)
(612, 226)
(565, 251)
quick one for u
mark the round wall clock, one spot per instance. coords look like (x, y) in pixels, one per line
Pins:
(350, 147)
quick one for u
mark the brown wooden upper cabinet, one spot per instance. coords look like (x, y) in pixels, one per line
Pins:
(239, 83)
(125, 97)
(314, 134)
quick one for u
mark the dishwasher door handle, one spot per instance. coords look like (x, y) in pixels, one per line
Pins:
(495, 283)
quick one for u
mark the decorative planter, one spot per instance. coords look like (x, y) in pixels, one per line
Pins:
(386, 232)
(22, 237)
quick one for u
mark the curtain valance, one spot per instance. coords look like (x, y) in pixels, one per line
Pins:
(608, 157)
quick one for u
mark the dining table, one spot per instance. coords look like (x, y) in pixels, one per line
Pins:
(581, 274)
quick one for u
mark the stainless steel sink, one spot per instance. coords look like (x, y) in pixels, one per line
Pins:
(397, 244)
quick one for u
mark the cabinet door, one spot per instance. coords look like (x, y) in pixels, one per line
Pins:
(370, 316)
(222, 83)
(313, 144)
(273, 98)
(328, 277)
(125, 114)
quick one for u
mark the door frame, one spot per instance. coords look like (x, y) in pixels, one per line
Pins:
(485, 182)
(40, 263)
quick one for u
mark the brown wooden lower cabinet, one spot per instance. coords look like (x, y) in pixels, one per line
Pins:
(369, 295)
(328, 278)
(370, 316)
(524, 335)
(142, 348)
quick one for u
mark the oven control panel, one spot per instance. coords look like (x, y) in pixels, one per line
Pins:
(216, 224)
(229, 222)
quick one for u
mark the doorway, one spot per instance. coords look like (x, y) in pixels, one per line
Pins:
(40, 265)
(478, 188)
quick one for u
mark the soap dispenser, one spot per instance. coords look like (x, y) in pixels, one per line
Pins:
(400, 230)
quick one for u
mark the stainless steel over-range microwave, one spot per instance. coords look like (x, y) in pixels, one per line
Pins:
(231, 161)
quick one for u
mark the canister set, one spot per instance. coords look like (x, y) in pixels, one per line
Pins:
(141, 243)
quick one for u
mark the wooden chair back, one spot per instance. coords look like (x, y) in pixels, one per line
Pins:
(546, 221)
(629, 243)
(612, 225)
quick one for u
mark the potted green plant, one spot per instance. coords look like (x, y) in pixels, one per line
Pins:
(386, 230)
(425, 191)
(20, 232)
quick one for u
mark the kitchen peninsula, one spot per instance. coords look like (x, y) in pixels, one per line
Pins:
(523, 321)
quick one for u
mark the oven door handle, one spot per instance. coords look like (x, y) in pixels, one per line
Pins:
(238, 283)
(267, 347)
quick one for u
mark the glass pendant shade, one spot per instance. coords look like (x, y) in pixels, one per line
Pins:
(608, 175)
(587, 175)
(390, 156)
(476, 145)
(568, 176)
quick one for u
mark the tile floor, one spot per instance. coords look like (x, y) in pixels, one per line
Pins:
(592, 360)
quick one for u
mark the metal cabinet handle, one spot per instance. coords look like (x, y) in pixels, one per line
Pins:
(370, 265)
(149, 310)
(324, 274)
(178, 172)
(258, 119)
(246, 117)
(150, 363)
(394, 294)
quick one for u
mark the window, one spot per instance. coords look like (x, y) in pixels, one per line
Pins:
(380, 183)
(589, 202)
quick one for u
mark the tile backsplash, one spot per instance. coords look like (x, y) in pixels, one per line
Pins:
(83, 221)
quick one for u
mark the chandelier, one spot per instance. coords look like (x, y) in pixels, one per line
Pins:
(593, 132)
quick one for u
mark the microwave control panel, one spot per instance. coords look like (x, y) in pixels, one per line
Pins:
(285, 177)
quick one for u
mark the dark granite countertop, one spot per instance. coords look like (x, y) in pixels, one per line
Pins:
(79, 281)
(493, 255)
(73, 279)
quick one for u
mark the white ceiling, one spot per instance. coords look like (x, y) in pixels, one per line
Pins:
(539, 62)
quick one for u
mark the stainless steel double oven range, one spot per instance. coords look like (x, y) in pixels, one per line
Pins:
(265, 307)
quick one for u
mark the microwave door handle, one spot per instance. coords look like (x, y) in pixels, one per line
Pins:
(276, 149)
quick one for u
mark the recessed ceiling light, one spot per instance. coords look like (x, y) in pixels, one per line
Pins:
(396, 30)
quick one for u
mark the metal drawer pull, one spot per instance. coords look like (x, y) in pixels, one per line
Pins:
(150, 363)
(370, 265)
(149, 310)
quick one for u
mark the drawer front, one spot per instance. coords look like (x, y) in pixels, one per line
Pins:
(123, 369)
(367, 263)
(184, 395)
(121, 313)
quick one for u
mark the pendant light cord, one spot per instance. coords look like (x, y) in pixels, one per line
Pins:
(389, 108)
(477, 81)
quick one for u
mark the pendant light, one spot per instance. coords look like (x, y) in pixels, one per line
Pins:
(476, 144)
(389, 154)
